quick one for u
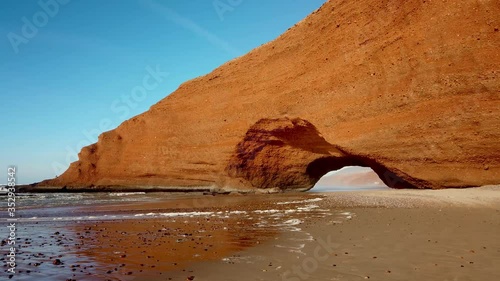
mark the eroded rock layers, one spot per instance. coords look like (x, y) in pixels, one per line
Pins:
(409, 88)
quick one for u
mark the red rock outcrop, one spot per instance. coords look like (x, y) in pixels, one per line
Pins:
(291, 154)
(409, 88)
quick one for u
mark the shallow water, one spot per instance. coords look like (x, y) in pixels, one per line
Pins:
(100, 236)
(41, 200)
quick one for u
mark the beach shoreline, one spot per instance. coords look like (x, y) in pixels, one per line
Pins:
(388, 235)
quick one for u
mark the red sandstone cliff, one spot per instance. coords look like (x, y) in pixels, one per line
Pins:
(409, 88)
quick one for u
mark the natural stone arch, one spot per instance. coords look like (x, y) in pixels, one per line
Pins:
(290, 154)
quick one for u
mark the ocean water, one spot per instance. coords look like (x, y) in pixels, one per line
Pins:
(41, 200)
(89, 231)
(75, 206)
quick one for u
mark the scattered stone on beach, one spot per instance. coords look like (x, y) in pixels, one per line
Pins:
(263, 155)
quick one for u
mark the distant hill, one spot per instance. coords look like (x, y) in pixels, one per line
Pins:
(355, 177)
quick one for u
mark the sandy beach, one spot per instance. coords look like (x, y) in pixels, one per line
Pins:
(388, 235)
(357, 235)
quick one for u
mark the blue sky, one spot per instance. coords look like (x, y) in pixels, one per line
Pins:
(67, 70)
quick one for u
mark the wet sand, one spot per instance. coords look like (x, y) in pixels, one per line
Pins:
(388, 235)
(358, 235)
(148, 240)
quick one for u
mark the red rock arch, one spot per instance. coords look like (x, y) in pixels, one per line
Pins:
(290, 154)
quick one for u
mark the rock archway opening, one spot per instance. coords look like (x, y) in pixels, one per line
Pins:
(349, 178)
(290, 154)
(348, 171)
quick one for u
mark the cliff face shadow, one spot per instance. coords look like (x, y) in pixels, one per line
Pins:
(290, 154)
